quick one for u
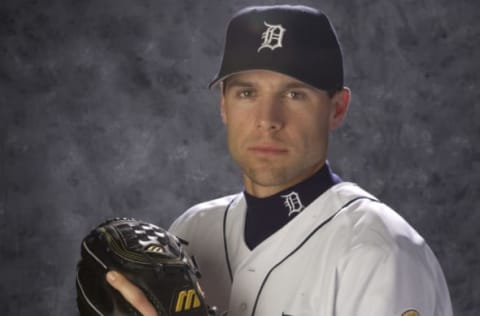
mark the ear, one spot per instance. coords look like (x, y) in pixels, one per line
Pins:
(223, 111)
(340, 103)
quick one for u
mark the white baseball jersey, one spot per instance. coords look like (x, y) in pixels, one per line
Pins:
(345, 254)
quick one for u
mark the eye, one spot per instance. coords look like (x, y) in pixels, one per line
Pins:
(245, 93)
(296, 95)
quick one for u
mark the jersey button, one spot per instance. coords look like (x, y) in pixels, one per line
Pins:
(243, 306)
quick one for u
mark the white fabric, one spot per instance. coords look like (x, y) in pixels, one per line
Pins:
(344, 255)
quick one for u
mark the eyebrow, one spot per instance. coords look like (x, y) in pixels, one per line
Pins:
(238, 83)
(298, 85)
(235, 82)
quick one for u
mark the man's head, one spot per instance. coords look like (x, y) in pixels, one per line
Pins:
(282, 82)
(297, 41)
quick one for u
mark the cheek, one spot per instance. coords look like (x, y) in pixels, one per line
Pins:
(237, 122)
(313, 135)
(235, 130)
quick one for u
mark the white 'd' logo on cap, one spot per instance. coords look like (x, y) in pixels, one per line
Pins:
(272, 37)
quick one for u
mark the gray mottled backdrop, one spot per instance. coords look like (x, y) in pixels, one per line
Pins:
(105, 112)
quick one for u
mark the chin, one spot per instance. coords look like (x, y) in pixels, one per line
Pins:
(263, 177)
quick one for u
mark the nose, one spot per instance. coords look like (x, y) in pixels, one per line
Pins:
(269, 115)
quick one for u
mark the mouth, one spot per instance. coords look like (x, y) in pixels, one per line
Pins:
(270, 150)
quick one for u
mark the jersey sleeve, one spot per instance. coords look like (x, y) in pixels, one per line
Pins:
(378, 280)
(201, 227)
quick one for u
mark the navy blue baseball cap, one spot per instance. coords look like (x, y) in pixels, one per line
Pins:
(297, 41)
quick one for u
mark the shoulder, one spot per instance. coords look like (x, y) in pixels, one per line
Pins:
(374, 222)
(370, 222)
(204, 213)
(381, 251)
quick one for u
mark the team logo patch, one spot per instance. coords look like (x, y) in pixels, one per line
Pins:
(293, 203)
(272, 37)
(411, 312)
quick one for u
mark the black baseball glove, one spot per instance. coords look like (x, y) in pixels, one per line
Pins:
(148, 256)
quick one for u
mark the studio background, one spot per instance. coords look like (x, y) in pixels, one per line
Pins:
(105, 112)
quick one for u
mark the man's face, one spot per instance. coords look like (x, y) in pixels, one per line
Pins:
(277, 128)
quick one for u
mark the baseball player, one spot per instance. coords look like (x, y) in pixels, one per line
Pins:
(298, 240)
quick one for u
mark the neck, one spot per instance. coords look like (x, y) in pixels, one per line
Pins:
(267, 215)
(261, 190)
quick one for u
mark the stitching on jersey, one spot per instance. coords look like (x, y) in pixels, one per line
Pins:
(225, 238)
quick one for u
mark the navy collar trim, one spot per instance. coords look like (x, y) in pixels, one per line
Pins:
(266, 215)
